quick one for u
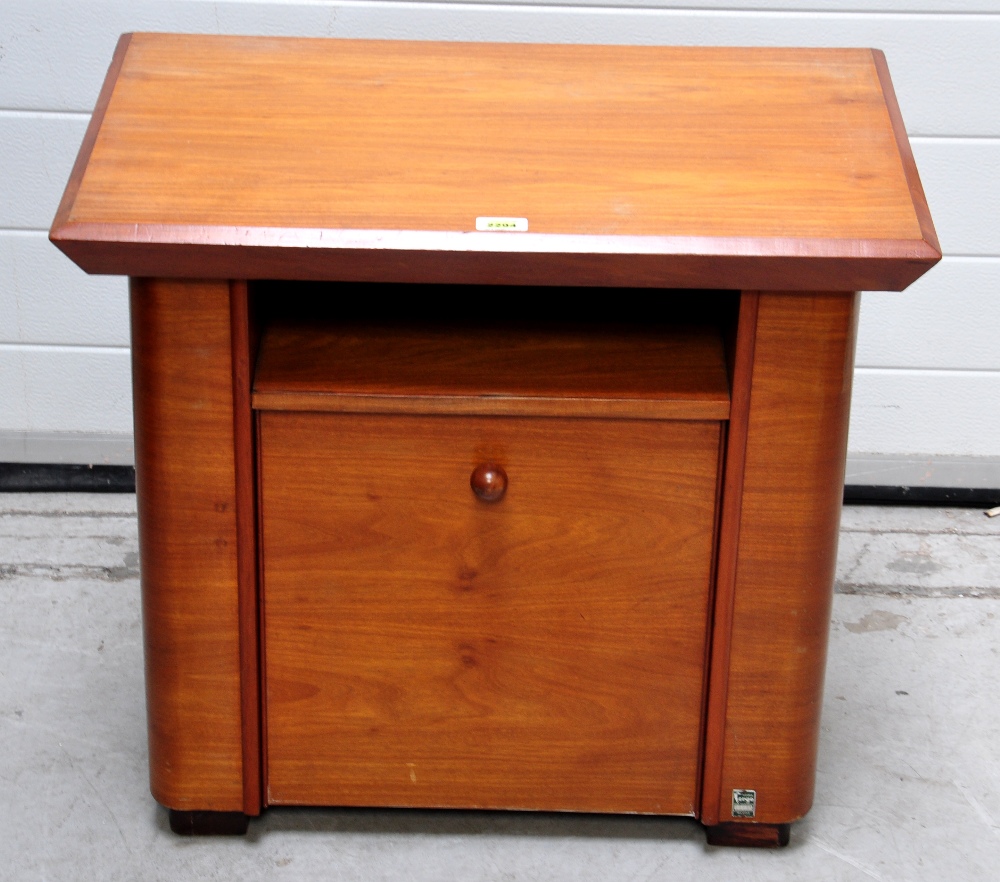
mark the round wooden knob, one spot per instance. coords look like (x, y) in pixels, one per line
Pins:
(489, 482)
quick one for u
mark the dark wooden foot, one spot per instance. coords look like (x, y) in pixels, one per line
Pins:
(749, 835)
(208, 823)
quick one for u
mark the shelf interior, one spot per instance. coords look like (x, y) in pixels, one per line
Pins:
(493, 351)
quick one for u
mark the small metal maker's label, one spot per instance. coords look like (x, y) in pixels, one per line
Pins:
(502, 224)
(744, 803)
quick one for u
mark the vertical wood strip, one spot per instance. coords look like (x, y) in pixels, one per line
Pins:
(188, 540)
(710, 623)
(265, 796)
(789, 519)
(729, 532)
(246, 528)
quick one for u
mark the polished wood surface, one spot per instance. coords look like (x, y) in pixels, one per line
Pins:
(676, 372)
(182, 376)
(792, 486)
(731, 489)
(544, 651)
(90, 137)
(271, 158)
(244, 336)
(906, 152)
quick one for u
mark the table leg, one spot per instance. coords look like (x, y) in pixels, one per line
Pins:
(208, 823)
(781, 511)
(749, 835)
(189, 540)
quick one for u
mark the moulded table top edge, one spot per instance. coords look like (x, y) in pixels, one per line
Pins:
(798, 264)
(764, 177)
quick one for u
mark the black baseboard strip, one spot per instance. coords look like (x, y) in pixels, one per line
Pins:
(30, 477)
(26, 477)
(971, 497)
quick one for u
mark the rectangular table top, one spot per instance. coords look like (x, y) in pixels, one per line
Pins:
(386, 161)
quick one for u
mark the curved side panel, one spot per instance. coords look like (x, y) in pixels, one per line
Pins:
(186, 485)
(790, 515)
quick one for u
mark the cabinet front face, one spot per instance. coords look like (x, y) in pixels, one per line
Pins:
(423, 647)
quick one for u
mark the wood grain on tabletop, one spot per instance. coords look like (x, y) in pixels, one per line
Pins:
(271, 143)
(674, 373)
(186, 492)
(426, 648)
(793, 476)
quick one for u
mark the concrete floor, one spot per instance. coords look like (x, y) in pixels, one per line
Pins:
(908, 785)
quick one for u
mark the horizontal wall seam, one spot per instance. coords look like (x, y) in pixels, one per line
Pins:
(43, 113)
(950, 139)
(967, 255)
(968, 258)
(63, 347)
(711, 11)
(985, 373)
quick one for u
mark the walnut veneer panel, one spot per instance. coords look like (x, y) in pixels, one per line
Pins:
(424, 648)
(269, 157)
(793, 476)
(676, 372)
(186, 491)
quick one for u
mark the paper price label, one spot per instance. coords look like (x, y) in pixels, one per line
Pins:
(502, 224)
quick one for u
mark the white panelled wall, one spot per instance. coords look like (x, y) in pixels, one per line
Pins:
(927, 386)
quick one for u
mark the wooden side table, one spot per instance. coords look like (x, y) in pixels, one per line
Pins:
(491, 408)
